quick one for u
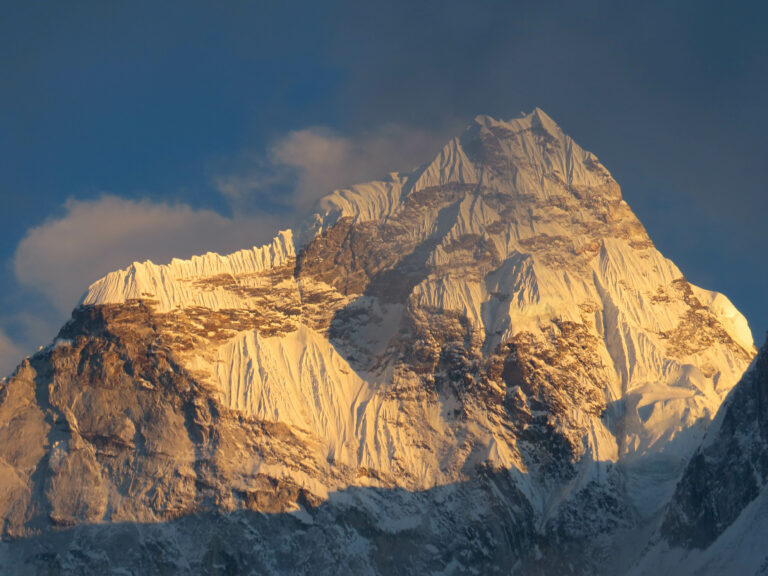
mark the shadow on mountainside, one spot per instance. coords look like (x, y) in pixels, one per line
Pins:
(481, 526)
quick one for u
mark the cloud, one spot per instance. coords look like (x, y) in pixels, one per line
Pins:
(303, 165)
(61, 257)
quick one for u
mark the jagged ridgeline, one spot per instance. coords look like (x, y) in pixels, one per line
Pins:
(481, 366)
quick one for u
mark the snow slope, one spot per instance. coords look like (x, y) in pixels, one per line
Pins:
(177, 285)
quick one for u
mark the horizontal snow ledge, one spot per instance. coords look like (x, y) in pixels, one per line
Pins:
(173, 285)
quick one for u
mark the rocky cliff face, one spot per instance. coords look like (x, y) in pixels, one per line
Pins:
(482, 365)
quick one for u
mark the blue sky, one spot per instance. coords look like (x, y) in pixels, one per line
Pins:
(138, 130)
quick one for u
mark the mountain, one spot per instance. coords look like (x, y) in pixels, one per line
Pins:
(716, 522)
(482, 366)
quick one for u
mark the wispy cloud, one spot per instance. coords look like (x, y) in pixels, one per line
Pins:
(303, 165)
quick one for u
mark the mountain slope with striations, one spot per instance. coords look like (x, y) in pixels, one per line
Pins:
(481, 366)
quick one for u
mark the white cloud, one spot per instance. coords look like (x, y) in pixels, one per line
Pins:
(302, 166)
(61, 257)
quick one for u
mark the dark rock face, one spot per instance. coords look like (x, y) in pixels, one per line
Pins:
(730, 469)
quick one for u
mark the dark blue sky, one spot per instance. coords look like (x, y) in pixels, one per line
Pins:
(148, 102)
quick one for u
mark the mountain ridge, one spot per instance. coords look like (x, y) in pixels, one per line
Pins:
(498, 313)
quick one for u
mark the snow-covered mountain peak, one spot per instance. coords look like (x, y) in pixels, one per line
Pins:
(513, 227)
(496, 323)
(198, 281)
(524, 158)
(535, 120)
(536, 146)
(542, 120)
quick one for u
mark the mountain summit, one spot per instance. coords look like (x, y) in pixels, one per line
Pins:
(479, 365)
